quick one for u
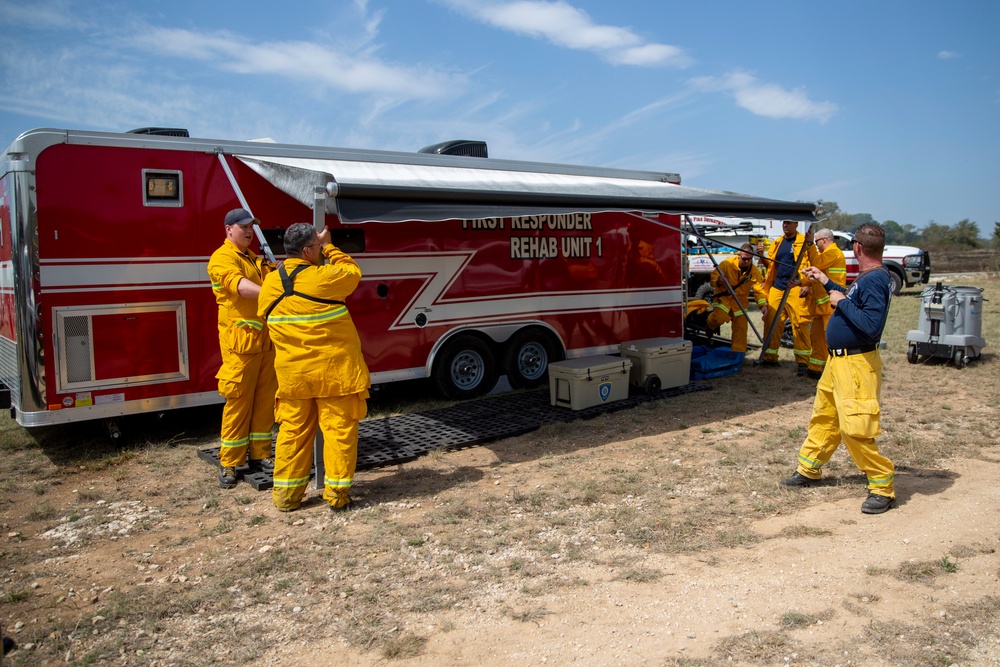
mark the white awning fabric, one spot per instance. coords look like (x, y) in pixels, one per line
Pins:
(373, 191)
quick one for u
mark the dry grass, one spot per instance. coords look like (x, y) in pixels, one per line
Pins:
(537, 518)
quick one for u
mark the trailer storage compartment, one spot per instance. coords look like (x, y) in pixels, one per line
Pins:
(658, 363)
(588, 381)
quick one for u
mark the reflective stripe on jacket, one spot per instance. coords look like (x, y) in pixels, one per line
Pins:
(317, 347)
(741, 283)
(226, 267)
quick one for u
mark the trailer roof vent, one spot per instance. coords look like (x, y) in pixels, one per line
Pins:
(457, 147)
(161, 131)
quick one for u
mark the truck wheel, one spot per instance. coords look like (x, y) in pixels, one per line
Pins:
(959, 357)
(911, 353)
(897, 281)
(527, 359)
(465, 368)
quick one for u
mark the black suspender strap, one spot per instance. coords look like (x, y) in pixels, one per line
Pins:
(288, 283)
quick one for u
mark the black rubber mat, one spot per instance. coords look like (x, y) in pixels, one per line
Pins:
(395, 440)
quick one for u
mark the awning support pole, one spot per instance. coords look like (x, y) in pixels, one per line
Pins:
(319, 222)
(729, 287)
(784, 299)
(266, 249)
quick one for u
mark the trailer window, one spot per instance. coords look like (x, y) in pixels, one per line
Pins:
(162, 188)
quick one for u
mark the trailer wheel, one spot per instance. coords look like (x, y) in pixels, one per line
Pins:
(959, 357)
(911, 353)
(465, 368)
(527, 359)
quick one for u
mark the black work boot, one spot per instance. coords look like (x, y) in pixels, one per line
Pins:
(801, 370)
(261, 465)
(876, 504)
(227, 477)
(798, 480)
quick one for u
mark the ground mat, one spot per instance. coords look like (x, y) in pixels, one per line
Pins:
(395, 440)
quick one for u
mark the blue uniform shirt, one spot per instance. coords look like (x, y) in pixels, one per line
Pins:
(784, 264)
(860, 318)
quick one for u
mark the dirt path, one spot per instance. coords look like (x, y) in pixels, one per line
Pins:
(702, 600)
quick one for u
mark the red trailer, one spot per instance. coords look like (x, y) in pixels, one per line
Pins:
(473, 267)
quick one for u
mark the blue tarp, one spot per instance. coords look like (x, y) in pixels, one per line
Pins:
(707, 362)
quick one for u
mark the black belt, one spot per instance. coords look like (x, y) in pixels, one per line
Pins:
(846, 351)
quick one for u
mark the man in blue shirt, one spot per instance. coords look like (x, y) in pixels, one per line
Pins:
(782, 276)
(847, 394)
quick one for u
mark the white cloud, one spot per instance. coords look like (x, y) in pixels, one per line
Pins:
(767, 99)
(948, 55)
(564, 25)
(48, 15)
(305, 61)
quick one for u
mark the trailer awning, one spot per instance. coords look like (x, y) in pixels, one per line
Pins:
(392, 192)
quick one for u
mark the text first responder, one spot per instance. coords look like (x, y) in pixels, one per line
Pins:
(847, 395)
(246, 377)
(322, 376)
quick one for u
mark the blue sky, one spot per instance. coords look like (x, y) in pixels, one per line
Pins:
(889, 107)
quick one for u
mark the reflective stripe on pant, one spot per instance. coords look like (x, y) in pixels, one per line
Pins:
(846, 408)
(721, 314)
(248, 415)
(337, 418)
(795, 309)
(817, 358)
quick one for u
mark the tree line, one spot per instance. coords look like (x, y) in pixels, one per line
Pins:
(964, 234)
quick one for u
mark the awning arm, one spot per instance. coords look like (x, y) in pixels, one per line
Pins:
(265, 248)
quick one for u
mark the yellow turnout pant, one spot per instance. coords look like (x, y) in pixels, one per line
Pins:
(817, 358)
(795, 309)
(337, 418)
(846, 407)
(248, 383)
(725, 310)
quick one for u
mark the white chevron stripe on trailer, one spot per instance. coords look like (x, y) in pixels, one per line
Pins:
(440, 270)
(105, 274)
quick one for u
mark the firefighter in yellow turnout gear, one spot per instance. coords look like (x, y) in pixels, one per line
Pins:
(846, 407)
(322, 377)
(780, 274)
(828, 258)
(246, 378)
(745, 279)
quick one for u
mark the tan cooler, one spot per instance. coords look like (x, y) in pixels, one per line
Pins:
(588, 381)
(658, 363)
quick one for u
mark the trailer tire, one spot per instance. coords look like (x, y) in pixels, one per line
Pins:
(527, 359)
(465, 368)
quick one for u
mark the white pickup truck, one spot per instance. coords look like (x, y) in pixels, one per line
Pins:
(907, 265)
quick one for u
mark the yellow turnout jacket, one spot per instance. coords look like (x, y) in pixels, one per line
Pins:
(317, 348)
